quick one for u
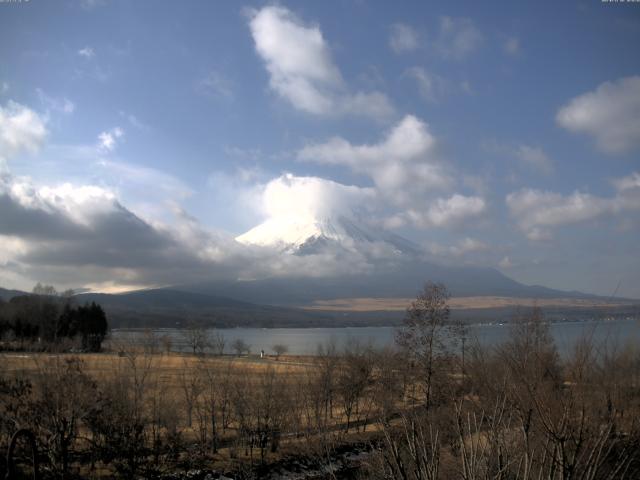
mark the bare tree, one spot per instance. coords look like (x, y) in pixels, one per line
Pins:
(215, 394)
(217, 342)
(64, 397)
(48, 290)
(240, 346)
(412, 450)
(269, 410)
(388, 389)
(196, 338)
(279, 349)
(354, 377)
(428, 333)
(191, 386)
(327, 359)
(119, 431)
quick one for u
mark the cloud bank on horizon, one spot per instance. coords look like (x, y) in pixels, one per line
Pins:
(137, 162)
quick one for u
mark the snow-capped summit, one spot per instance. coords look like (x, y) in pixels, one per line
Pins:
(306, 215)
(308, 234)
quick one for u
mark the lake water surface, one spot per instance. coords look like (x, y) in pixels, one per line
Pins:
(305, 341)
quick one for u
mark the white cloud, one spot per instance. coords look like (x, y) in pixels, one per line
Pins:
(458, 38)
(134, 121)
(448, 212)
(11, 247)
(403, 38)
(537, 211)
(408, 140)
(368, 104)
(249, 174)
(301, 69)
(469, 245)
(297, 58)
(463, 247)
(431, 86)
(535, 208)
(146, 190)
(20, 129)
(611, 114)
(311, 197)
(630, 182)
(107, 140)
(535, 158)
(144, 179)
(402, 165)
(512, 46)
(59, 104)
(628, 192)
(406, 172)
(86, 52)
(80, 203)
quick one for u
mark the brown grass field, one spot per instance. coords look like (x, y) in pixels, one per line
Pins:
(166, 376)
(168, 365)
(456, 303)
(168, 373)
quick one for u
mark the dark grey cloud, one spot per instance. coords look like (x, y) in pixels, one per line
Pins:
(114, 239)
(83, 235)
(29, 223)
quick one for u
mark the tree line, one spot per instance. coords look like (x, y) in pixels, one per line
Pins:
(46, 319)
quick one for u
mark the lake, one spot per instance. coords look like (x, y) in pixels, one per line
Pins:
(305, 341)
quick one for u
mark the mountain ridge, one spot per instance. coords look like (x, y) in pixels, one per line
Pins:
(399, 266)
(171, 307)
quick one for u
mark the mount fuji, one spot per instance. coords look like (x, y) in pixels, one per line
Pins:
(398, 267)
(308, 235)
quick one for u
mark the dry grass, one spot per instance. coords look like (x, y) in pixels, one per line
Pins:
(456, 303)
(167, 367)
(166, 374)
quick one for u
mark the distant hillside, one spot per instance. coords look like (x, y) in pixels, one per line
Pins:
(274, 302)
(403, 279)
(175, 308)
(9, 294)
(163, 298)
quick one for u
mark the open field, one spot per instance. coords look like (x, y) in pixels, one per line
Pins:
(169, 366)
(459, 303)
(232, 410)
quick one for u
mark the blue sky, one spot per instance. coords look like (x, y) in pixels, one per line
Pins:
(504, 134)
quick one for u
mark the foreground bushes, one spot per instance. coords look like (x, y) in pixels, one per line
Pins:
(521, 413)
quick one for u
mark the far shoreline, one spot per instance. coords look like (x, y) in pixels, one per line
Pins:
(502, 323)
